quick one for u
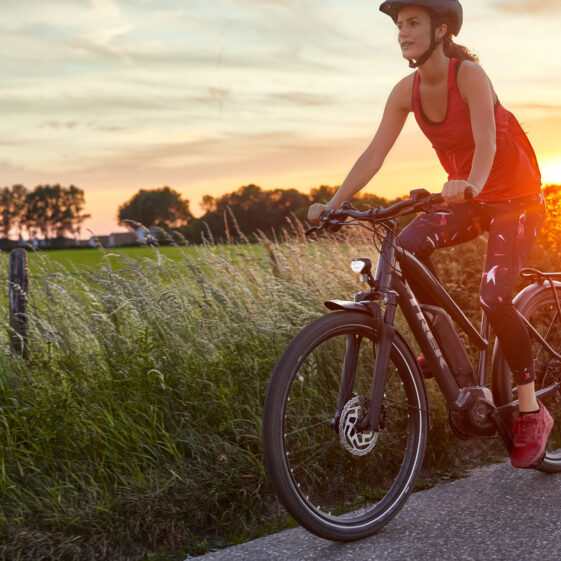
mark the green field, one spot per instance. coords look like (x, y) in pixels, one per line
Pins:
(89, 259)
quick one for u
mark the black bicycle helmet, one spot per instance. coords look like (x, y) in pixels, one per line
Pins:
(450, 9)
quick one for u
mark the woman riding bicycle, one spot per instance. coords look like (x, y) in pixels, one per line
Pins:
(482, 147)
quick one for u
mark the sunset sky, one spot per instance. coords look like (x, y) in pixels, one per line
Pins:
(209, 95)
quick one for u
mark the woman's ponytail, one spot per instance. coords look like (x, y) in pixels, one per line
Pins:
(453, 50)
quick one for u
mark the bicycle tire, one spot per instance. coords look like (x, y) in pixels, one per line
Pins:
(334, 493)
(541, 311)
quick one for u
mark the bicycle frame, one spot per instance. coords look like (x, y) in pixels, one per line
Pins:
(394, 266)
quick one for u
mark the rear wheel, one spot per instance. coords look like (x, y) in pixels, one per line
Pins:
(339, 483)
(541, 311)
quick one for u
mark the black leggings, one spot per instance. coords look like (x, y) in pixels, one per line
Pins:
(513, 227)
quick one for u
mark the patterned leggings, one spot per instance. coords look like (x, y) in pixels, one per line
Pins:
(513, 227)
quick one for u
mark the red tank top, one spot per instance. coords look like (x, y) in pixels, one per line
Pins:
(515, 172)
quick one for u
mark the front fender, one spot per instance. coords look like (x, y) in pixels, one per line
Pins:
(370, 308)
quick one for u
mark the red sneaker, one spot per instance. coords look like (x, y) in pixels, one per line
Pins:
(530, 434)
(424, 366)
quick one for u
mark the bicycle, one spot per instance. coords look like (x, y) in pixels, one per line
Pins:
(346, 416)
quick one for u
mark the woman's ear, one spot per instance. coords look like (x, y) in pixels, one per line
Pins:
(441, 32)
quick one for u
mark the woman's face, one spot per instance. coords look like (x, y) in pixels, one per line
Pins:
(414, 35)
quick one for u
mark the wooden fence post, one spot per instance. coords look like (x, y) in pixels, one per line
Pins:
(18, 300)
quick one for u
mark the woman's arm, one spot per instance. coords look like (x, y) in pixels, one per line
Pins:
(476, 90)
(395, 113)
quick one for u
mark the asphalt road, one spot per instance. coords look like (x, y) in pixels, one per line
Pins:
(497, 513)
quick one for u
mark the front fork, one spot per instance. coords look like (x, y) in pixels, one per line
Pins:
(386, 331)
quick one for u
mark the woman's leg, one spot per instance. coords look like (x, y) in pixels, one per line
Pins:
(446, 226)
(513, 228)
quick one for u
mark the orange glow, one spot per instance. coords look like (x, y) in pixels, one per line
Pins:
(551, 171)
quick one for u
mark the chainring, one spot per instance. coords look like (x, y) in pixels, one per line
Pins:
(355, 442)
(471, 418)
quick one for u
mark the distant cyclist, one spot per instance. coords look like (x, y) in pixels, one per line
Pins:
(481, 146)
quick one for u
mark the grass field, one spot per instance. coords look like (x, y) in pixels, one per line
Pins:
(90, 259)
(133, 430)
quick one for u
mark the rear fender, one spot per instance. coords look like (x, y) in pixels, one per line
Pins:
(524, 296)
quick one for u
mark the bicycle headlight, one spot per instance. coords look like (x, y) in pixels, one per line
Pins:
(361, 265)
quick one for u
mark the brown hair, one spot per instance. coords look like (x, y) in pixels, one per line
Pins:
(453, 50)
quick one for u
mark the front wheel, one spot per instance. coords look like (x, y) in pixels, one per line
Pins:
(541, 311)
(339, 483)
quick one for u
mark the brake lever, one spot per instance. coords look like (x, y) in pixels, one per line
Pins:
(313, 229)
(326, 224)
(323, 224)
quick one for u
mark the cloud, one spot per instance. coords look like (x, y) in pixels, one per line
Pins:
(92, 102)
(527, 7)
(108, 7)
(59, 125)
(304, 98)
(112, 128)
(250, 155)
(102, 41)
(537, 106)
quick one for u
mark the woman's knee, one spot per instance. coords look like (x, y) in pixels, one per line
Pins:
(417, 242)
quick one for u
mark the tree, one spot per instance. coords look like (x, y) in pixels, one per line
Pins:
(249, 208)
(322, 194)
(162, 207)
(208, 203)
(52, 210)
(12, 209)
(71, 217)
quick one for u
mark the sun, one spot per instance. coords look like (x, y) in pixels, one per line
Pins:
(551, 171)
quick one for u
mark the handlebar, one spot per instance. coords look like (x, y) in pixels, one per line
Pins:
(419, 199)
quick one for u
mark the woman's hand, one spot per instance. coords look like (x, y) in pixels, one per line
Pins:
(453, 191)
(314, 212)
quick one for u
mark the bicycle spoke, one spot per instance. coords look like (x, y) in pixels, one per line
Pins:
(323, 422)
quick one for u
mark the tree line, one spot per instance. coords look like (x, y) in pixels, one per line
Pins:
(251, 209)
(247, 210)
(53, 211)
(49, 211)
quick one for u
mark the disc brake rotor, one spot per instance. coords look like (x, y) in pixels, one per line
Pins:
(356, 443)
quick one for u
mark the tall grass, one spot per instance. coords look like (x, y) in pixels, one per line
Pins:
(133, 430)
